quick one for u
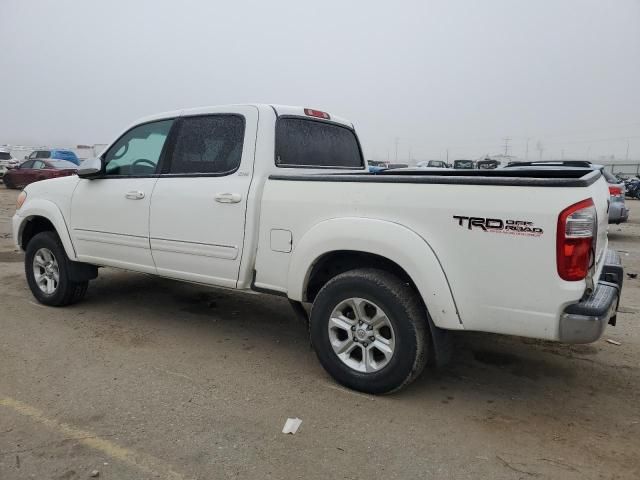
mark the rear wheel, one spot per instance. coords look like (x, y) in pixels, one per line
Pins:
(370, 331)
(7, 182)
(47, 270)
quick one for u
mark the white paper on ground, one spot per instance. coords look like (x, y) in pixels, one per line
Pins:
(291, 425)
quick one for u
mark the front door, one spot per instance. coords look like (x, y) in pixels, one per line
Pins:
(24, 174)
(110, 214)
(199, 203)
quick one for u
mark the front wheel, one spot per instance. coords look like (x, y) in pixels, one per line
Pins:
(47, 270)
(370, 331)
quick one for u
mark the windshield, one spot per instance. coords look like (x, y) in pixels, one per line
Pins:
(62, 164)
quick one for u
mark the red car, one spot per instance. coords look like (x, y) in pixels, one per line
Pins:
(35, 170)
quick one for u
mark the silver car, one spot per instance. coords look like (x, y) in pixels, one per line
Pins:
(618, 211)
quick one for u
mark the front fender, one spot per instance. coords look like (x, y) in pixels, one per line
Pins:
(387, 239)
(50, 211)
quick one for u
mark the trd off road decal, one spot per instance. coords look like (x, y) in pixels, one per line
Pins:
(497, 225)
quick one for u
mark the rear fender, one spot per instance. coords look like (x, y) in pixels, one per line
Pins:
(387, 239)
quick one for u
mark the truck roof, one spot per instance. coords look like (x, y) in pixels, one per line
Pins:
(280, 110)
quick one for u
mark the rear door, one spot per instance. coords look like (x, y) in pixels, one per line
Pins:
(198, 206)
(110, 214)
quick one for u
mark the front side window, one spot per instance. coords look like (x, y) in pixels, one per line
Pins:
(138, 151)
(309, 143)
(5, 156)
(27, 164)
(209, 144)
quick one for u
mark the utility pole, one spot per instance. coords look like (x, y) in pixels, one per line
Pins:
(526, 153)
(506, 145)
(409, 162)
(540, 148)
(626, 157)
(447, 156)
(397, 140)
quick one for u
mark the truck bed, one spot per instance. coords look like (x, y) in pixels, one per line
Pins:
(502, 281)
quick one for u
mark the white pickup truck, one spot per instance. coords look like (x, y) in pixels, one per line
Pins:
(278, 200)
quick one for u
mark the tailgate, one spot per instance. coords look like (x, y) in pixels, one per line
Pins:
(600, 194)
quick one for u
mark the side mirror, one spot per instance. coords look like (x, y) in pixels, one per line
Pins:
(90, 168)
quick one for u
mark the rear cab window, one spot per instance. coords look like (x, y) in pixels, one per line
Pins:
(306, 143)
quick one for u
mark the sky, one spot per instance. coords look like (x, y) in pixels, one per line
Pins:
(426, 79)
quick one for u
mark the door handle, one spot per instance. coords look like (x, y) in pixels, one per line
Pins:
(135, 195)
(228, 197)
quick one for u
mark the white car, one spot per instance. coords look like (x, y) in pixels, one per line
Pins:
(278, 200)
(7, 161)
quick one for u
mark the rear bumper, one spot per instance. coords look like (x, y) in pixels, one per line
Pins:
(585, 321)
(618, 212)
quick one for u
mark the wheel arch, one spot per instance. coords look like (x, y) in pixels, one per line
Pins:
(337, 245)
(40, 216)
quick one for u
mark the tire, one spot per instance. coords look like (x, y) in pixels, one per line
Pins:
(381, 298)
(7, 183)
(51, 262)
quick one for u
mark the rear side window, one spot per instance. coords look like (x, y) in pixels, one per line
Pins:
(308, 143)
(43, 154)
(208, 144)
(5, 156)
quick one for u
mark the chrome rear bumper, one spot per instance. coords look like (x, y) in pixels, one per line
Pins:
(585, 321)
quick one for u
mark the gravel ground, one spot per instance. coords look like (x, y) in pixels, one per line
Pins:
(151, 378)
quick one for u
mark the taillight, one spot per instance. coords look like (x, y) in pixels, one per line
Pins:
(615, 191)
(576, 236)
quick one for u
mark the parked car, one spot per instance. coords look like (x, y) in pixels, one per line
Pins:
(618, 211)
(463, 164)
(55, 154)
(433, 164)
(487, 164)
(277, 200)
(6, 161)
(36, 170)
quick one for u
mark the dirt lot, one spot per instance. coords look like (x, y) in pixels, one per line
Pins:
(151, 378)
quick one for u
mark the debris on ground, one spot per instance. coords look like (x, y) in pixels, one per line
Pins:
(94, 473)
(613, 342)
(291, 425)
(632, 275)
